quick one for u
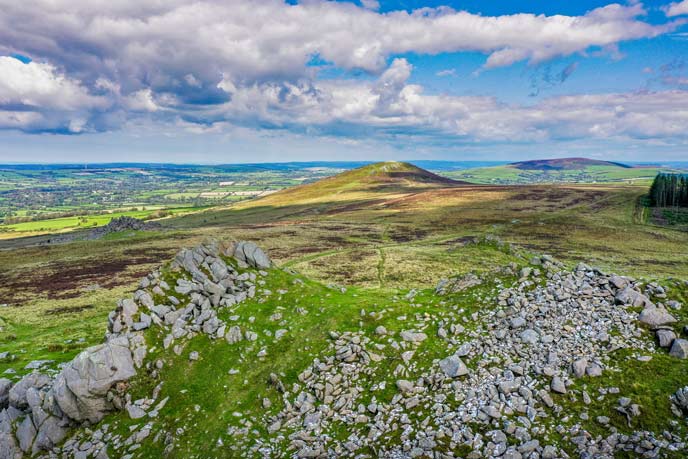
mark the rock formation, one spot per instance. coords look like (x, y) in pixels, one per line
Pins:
(37, 412)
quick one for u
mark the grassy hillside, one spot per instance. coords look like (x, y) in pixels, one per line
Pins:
(388, 178)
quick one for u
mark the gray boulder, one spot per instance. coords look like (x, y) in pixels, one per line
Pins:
(680, 398)
(679, 349)
(453, 366)
(579, 367)
(413, 336)
(633, 298)
(17, 394)
(51, 433)
(665, 337)
(558, 385)
(618, 282)
(8, 443)
(233, 335)
(81, 388)
(529, 336)
(26, 432)
(656, 317)
(250, 254)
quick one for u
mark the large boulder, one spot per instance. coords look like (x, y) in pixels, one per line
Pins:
(51, 433)
(656, 317)
(632, 297)
(249, 254)
(679, 349)
(80, 390)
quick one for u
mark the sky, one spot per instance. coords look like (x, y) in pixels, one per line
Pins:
(228, 81)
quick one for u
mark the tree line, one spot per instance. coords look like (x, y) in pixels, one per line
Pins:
(669, 190)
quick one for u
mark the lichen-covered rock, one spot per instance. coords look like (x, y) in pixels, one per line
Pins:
(9, 449)
(632, 297)
(81, 388)
(250, 254)
(656, 317)
(17, 394)
(679, 349)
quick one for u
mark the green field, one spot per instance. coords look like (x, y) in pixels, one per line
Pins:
(57, 225)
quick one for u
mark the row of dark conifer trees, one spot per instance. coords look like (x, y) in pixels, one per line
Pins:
(669, 190)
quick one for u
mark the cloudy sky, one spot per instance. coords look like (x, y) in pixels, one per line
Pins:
(273, 80)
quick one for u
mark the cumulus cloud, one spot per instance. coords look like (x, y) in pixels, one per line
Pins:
(677, 9)
(35, 95)
(390, 105)
(160, 43)
(215, 62)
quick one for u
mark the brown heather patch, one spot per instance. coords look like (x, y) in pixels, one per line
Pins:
(66, 279)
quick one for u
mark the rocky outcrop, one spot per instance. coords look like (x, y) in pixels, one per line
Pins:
(249, 254)
(81, 388)
(37, 412)
(124, 223)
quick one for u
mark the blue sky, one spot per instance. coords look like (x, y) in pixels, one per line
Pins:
(217, 82)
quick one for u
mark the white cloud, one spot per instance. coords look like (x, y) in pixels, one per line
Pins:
(141, 100)
(391, 105)
(37, 85)
(445, 73)
(161, 43)
(677, 9)
(36, 96)
(217, 63)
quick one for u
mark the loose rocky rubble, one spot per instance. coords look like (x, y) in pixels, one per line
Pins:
(496, 394)
(37, 412)
(497, 390)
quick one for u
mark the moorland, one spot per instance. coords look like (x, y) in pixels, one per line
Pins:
(357, 251)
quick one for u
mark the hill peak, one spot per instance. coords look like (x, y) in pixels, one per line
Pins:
(393, 173)
(563, 164)
(372, 180)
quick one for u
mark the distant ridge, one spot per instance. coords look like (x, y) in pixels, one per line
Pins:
(563, 164)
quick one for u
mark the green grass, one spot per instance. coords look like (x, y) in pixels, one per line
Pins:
(59, 332)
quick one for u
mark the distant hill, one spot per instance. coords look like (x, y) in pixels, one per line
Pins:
(367, 181)
(559, 164)
(559, 170)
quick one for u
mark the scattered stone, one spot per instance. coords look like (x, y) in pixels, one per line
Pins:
(453, 367)
(558, 385)
(665, 337)
(679, 349)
